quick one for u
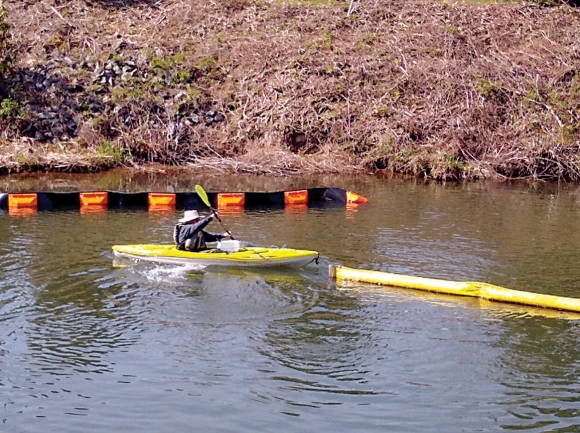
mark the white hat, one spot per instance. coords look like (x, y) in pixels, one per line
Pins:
(189, 215)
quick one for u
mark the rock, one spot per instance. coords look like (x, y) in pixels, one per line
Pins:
(57, 130)
(72, 126)
(211, 117)
(156, 109)
(74, 88)
(123, 114)
(94, 106)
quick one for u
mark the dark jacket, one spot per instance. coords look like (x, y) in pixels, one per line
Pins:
(194, 231)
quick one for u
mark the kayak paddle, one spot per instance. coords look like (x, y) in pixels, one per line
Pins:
(203, 196)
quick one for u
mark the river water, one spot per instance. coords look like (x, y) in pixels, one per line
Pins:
(87, 345)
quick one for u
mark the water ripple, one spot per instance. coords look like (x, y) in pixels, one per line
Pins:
(158, 348)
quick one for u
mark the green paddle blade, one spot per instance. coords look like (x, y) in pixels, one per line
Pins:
(202, 195)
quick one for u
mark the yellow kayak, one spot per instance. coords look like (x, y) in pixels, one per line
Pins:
(243, 257)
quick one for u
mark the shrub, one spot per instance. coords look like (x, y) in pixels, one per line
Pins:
(11, 109)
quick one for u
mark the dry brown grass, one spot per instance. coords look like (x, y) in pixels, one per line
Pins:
(438, 89)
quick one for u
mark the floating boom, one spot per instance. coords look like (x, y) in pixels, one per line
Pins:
(460, 288)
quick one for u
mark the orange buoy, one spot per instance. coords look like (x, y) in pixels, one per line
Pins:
(296, 197)
(97, 198)
(161, 200)
(353, 197)
(227, 199)
(29, 200)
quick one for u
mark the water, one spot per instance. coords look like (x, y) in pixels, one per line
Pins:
(88, 346)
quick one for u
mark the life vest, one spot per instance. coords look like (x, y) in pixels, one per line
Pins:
(194, 243)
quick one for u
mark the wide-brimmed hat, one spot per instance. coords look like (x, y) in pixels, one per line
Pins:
(189, 215)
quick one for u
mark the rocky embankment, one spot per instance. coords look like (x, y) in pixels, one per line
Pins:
(442, 90)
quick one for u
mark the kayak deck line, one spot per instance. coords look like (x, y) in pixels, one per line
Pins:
(486, 291)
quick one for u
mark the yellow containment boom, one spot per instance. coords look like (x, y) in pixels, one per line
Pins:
(460, 288)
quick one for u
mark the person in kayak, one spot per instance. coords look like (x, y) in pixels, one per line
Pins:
(189, 233)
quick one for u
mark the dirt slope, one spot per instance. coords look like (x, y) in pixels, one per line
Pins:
(439, 89)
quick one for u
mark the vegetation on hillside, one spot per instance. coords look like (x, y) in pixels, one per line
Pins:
(445, 90)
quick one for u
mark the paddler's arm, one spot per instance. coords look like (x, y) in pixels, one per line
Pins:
(189, 230)
(214, 237)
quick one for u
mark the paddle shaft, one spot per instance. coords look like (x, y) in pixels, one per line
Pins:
(203, 196)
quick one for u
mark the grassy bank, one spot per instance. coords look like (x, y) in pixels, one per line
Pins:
(443, 90)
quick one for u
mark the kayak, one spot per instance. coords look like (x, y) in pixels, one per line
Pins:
(249, 256)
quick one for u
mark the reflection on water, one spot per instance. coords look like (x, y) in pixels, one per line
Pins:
(156, 348)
